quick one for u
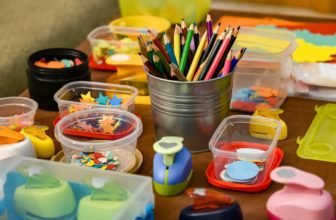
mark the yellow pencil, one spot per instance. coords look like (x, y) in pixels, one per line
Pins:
(197, 57)
(177, 44)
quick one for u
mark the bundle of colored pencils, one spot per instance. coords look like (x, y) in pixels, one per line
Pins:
(191, 58)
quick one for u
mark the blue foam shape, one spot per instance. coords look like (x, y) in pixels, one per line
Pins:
(242, 170)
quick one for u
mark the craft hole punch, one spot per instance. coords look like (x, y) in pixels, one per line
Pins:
(43, 196)
(172, 166)
(210, 204)
(13, 143)
(273, 114)
(302, 197)
(43, 144)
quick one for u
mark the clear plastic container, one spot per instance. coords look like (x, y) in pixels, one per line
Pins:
(242, 139)
(100, 138)
(23, 192)
(263, 74)
(17, 112)
(105, 42)
(69, 96)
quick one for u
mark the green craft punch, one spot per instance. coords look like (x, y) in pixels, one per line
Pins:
(44, 197)
(104, 202)
(172, 166)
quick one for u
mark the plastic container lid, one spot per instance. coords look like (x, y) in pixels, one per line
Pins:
(17, 111)
(72, 135)
(65, 96)
(210, 173)
(265, 44)
(319, 142)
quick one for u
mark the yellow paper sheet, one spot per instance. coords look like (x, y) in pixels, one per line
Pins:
(311, 53)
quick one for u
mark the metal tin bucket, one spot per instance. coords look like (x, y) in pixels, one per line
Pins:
(192, 110)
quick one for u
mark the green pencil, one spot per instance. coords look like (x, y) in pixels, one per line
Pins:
(185, 52)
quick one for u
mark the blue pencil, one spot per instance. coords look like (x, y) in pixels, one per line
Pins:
(169, 49)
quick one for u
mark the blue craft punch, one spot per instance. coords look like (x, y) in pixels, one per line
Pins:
(172, 167)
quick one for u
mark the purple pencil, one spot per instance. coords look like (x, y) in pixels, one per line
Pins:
(209, 26)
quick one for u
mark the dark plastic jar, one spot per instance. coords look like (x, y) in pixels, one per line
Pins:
(43, 83)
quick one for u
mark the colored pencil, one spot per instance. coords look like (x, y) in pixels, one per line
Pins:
(198, 72)
(182, 44)
(211, 56)
(169, 49)
(191, 57)
(150, 52)
(163, 60)
(227, 65)
(211, 43)
(221, 63)
(158, 65)
(218, 57)
(157, 42)
(197, 57)
(185, 52)
(196, 38)
(175, 71)
(209, 27)
(236, 58)
(142, 45)
(184, 28)
(177, 44)
(149, 67)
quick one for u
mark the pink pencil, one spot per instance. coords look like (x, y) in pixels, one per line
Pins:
(227, 65)
(219, 56)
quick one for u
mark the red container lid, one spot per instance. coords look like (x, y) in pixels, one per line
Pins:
(103, 66)
(210, 173)
(90, 134)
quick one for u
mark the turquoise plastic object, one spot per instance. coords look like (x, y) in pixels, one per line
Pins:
(319, 143)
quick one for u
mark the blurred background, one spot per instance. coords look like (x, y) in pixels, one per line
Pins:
(28, 26)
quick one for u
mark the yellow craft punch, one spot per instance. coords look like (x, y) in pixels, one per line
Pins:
(260, 131)
(43, 144)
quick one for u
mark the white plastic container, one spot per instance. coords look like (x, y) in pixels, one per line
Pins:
(105, 42)
(263, 73)
(22, 148)
(111, 132)
(15, 172)
(68, 97)
(17, 112)
(245, 138)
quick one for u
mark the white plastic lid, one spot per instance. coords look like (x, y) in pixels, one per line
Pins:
(265, 44)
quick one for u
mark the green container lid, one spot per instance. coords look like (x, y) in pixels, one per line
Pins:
(319, 143)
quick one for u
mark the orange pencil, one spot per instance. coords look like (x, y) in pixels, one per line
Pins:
(198, 72)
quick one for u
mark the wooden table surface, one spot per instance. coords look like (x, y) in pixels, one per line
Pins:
(298, 114)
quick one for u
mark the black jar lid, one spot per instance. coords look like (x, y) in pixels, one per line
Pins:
(57, 53)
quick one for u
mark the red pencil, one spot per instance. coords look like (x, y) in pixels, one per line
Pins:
(159, 45)
(227, 65)
(219, 56)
